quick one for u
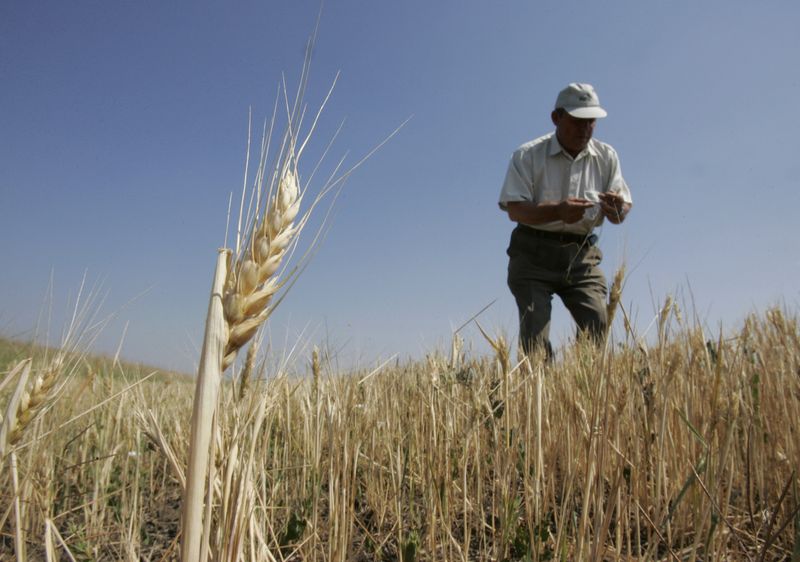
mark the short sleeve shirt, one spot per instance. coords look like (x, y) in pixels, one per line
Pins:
(541, 170)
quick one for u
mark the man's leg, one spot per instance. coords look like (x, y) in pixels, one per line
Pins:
(534, 306)
(586, 294)
(534, 272)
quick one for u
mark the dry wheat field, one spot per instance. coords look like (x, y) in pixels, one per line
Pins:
(682, 446)
(684, 449)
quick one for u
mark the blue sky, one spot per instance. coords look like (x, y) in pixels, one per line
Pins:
(123, 128)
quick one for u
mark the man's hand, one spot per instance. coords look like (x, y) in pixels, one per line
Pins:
(571, 210)
(614, 207)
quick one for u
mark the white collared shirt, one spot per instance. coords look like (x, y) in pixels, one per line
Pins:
(541, 170)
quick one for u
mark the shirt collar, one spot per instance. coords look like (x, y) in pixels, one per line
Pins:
(555, 148)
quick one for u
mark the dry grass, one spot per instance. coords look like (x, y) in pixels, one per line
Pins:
(685, 450)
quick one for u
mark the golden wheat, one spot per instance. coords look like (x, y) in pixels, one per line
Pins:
(27, 401)
(251, 282)
(592, 458)
(614, 295)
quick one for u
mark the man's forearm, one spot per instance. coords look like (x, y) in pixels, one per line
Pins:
(533, 213)
(569, 211)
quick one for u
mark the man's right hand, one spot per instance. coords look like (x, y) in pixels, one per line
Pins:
(571, 210)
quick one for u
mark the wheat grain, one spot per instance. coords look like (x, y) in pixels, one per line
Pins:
(248, 369)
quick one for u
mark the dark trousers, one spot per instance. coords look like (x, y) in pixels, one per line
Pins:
(540, 267)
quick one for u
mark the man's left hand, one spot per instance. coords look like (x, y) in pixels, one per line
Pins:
(614, 207)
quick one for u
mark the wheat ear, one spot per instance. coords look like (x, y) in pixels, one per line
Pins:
(8, 424)
(252, 282)
(663, 316)
(615, 294)
(26, 403)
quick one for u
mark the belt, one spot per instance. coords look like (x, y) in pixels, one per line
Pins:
(566, 237)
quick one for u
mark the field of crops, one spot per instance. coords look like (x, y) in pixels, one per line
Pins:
(682, 446)
(684, 449)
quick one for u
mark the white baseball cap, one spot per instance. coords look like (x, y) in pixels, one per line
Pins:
(581, 101)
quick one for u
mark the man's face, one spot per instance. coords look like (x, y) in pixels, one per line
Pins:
(573, 134)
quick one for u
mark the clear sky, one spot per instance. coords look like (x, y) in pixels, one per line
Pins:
(123, 129)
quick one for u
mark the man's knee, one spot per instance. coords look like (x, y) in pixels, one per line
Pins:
(593, 320)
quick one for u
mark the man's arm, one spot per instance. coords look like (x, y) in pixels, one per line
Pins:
(569, 211)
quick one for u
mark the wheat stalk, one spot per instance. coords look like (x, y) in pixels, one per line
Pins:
(246, 286)
(50, 552)
(203, 413)
(245, 283)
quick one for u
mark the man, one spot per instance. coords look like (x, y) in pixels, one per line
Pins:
(558, 188)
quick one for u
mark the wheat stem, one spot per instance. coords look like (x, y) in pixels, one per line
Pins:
(19, 527)
(205, 403)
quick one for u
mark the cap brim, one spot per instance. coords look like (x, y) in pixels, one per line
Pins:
(587, 112)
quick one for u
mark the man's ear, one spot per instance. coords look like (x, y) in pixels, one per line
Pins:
(554, 117)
